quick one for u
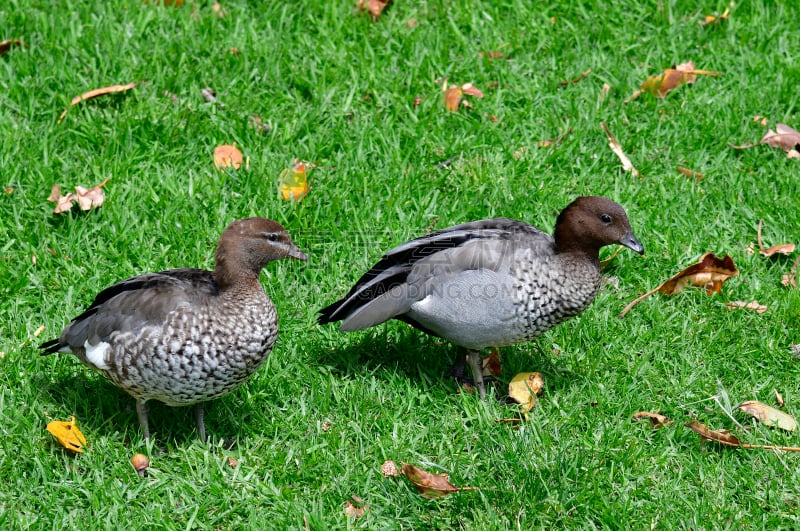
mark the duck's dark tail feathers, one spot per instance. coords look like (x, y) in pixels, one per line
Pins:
(50, 347)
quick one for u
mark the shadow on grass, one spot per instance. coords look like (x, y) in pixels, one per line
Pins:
(98, 403)
(422, 358)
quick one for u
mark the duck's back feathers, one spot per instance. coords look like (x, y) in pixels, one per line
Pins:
(135, 303)
(403, 275)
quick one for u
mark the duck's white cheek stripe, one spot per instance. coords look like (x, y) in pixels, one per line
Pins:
(96, 354)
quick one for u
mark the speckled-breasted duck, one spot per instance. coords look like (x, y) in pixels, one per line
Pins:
(489, 283)
(185, 336)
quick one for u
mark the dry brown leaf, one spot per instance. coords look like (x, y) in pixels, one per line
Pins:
(784, 248)
(227, 156)
(490, 55)
(452, 98)
(763, 120)
(554, 141)
(86, 198)
(113, 89)
(657, 420)
(373, 7)
(720, 436)
(779, 398)
(7, 44)
(471, 90)
(576, 80)
(616, 147)
(690, 173)
(754, 306)
(672, 78)
(709, 272)
(783, 137)
(389, 469)
(354, 510)
(768, 415)
(746, 145)
(430, 485)
(728, 439)
(491, 364)
(790, 278)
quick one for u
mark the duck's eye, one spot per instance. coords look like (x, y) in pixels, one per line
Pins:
(273, 237)
(605, 218)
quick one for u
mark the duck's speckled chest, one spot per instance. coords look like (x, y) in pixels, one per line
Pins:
(550, 292)
(198, 354)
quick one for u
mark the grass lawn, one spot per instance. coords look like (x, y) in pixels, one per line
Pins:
(314, 425)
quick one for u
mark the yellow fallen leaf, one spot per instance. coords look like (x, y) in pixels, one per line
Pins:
(293, 182)
(524, 388)
(68, 434)
(768, 415)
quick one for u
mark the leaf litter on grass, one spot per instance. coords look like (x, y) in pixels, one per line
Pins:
(671, 78)
(86, 198)
(784, 248)
(67, 434)
(710, 272)
(89, 95)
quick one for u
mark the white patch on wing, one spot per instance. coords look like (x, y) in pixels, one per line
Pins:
(96, 354)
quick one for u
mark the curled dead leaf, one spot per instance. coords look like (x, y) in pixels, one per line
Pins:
(657, 420)
(491, 364)
(768, 415)
(7, 44)
(790, 278)
(353, 511)
(685, 73)
(576, 80)
(524, 388)
(779, 398)
(784, 248)
(430, 485)
(784, 137)
(86, 198)
(690, 173)
(452, 98)
(720, 436)
(68, 434)
(754, 306)
(112, 89)
(709, 272)
(373, 7)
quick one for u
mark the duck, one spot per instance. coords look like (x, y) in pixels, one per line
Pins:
(489, 283)
(185, 336)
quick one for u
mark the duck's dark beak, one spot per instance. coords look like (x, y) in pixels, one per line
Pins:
(630, 241)
(294, 252)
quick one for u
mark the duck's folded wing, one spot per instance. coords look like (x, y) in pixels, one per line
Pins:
(404, 274)
(132, 304)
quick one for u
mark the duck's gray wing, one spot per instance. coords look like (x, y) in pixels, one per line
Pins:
(131, 304)
(406, 273)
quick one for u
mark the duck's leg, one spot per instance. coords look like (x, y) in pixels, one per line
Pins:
(475, 363)
(141, 412)
(201, 425)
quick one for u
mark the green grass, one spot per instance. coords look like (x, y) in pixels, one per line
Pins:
(338, 90)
